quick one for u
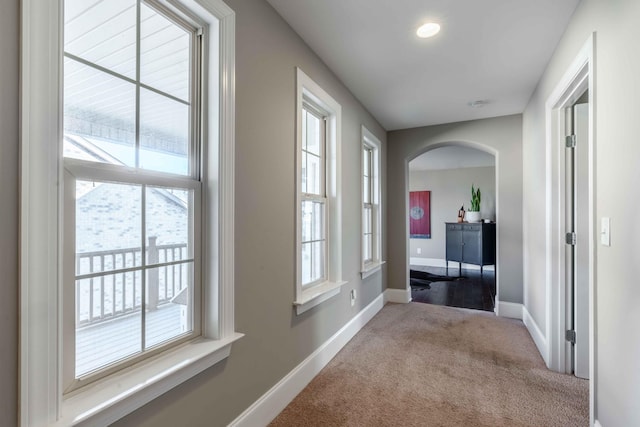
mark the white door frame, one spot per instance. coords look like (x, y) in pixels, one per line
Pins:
(579, 77)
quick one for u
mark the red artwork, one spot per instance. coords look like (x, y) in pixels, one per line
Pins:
(420, 214)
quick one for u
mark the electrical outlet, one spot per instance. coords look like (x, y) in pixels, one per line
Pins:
(419, 250)
(353, 297)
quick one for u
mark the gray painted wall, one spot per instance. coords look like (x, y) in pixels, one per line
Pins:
(276, 339)
(615, 22)
(9, 69)
(503, 137)
(450, 188)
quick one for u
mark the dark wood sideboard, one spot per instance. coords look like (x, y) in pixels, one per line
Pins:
(471, 243)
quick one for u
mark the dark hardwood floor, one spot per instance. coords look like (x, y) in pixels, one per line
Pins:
(472, 290)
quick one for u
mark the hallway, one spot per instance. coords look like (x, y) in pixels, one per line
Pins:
(426, 365)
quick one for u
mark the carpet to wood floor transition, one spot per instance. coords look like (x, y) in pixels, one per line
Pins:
(424, 365)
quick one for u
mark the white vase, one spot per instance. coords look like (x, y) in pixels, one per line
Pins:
(472, 216)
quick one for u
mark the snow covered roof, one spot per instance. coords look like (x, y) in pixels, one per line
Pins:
(108, 215)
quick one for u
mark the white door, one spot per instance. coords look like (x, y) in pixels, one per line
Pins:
(577, 254)
(581, 252)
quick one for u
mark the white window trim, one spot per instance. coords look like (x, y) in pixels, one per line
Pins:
(310, 296)
(369, 140)
(102, 403)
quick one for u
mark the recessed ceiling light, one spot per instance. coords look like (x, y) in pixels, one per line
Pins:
(429, 29)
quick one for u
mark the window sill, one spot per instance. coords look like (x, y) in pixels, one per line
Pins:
(371, 268)
(316, 295)
(108, 400)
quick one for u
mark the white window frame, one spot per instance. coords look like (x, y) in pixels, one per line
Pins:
(41, 212)
(76, 169)
(309, 92)
(321, 196)
(372, 143)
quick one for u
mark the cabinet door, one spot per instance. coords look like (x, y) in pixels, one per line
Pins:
(454, 242)
(472, 245)
(489, 244)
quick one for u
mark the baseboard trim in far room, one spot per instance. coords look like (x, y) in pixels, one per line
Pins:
(437, 262)
(537, 335)
(400, 296)
(269, 405)
(597, 424)
(508, 309)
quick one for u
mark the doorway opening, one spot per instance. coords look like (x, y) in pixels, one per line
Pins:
(570, 223)
(452, 263)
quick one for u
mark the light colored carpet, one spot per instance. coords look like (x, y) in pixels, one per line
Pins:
(425, 365)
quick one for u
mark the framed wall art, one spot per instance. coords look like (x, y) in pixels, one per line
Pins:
(420, 214)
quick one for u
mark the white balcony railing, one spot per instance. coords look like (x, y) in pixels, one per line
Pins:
(112, 295)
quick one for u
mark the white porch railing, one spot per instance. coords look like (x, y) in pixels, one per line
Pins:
(109, 296)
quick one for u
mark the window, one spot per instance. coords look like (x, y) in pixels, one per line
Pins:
(314, 197)
(367, 205)
(126, 203)
(130, 105)
(318, 222)
(371, 221)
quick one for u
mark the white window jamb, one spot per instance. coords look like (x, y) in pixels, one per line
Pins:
(309, 92)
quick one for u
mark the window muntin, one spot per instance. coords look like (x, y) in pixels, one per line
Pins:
(135, 241)
(314, 198)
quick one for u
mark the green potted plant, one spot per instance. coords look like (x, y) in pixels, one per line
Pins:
(473, 215)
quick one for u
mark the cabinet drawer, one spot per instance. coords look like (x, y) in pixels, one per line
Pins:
(472, 227)
(454, 226)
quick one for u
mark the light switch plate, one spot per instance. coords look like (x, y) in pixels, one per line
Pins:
(605, 231)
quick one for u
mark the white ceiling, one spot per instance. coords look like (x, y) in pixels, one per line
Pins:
(452, 158)
(493, 50)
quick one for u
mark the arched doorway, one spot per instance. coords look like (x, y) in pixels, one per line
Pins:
(499, 136)
(452, 263)
(436, 147)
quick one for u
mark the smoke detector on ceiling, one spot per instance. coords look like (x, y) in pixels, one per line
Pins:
(478, 104)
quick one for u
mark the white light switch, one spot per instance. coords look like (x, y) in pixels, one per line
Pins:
(605, 231)
(419, 250)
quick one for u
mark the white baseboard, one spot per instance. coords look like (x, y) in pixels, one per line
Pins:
(597, 424)
(269, 405)
(427, 262)
(437, 262)
(537, 335)
(401, 296)
(508, 309)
